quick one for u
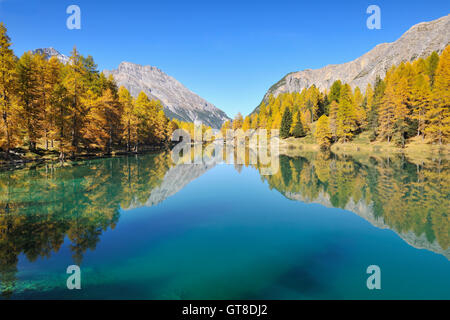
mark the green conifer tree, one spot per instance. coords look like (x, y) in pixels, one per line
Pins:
(286, 123)
(298, 131)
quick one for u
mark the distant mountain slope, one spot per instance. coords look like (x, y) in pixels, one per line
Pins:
(419, 41)
(179, 102)
(51, 52)
(175, 179)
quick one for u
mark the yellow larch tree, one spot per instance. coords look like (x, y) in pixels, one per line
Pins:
(438, 114)
(323, 133)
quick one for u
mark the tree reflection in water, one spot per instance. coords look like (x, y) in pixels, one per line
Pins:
(41, 207)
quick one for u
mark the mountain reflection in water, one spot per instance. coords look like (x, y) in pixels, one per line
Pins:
(43, 206)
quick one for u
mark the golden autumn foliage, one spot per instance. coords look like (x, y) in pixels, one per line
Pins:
(71, 107)
(438, 113)
(412, 100)
(308, 105)
(323, 133)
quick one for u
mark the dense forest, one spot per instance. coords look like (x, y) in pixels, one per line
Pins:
(412, 100)
(72, 108)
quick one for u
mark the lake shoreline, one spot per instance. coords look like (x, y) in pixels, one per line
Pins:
(23, 158)
(292, 146)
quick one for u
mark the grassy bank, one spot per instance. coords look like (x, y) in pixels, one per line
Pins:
(416, 148)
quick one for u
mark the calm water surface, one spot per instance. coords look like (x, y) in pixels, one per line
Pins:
(143, 228)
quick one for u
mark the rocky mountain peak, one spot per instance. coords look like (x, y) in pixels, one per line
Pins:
(179, 102)
(418, 42)
(51, 52)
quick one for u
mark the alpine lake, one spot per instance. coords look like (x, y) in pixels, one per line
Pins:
(142, 227)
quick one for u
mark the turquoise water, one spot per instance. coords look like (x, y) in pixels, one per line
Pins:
(143, 228)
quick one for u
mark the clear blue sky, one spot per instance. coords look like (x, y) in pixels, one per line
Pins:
(229, 52)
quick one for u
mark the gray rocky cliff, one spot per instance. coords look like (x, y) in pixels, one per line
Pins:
(51, 52)
(418, 42)
(179, 102)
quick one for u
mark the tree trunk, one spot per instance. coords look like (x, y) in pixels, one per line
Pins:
(110, 142)
(8, 138)
(129, 137)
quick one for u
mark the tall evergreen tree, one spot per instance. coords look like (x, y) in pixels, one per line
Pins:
(129, 119)
(326, 105)
(374, 107)
(225, 127)
(149, 114)
(387, 107)
(333, 124)
(61, 102)
(53, 78)
(254, 121)
(28, 93)
(247, 123)
(238, 121)
(358, 101)
(7, 88)
(75, 83)
(286, 123)
(438, 115)
(395, 114)
(421, 99)
(335, 91)
(431, 64)
(262, 117)
(323, 134)
(298, 131)
(103, 121)
(346, 114)
(161, 126)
